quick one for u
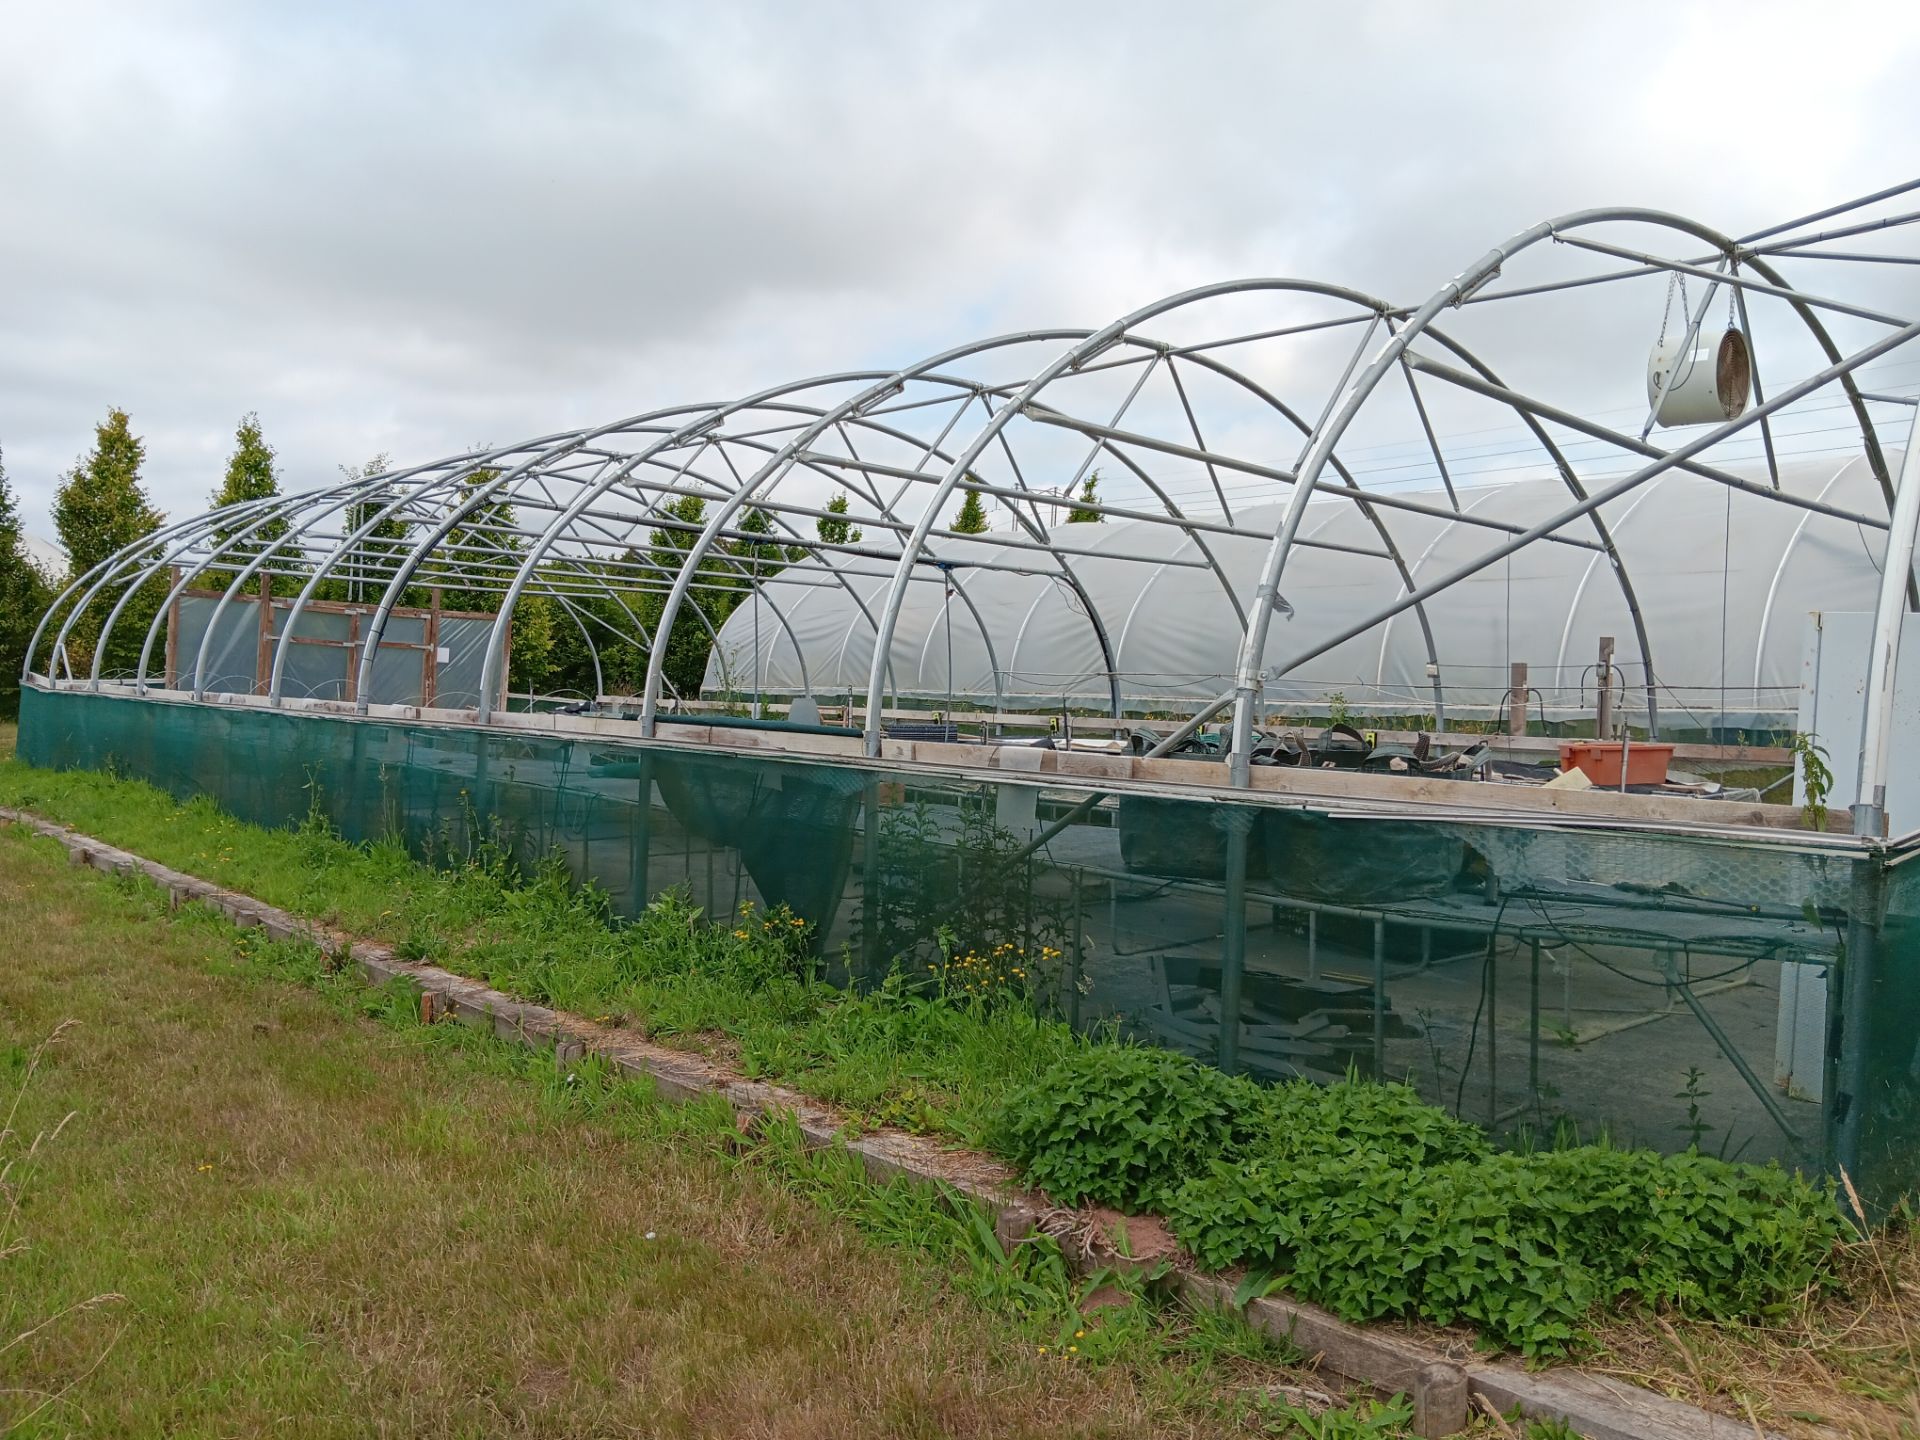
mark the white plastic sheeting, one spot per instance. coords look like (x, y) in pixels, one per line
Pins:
(1723, 581)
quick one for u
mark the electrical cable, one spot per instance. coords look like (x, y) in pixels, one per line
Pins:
(1473, 1032)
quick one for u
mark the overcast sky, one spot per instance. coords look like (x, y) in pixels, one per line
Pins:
(412, 228)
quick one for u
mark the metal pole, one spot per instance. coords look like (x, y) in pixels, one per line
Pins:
(1603, 722)
(1078, 945)
(1533, 1020)
(1876, 737)
(1237, 821)
(1379, 997)
(1846, 1112)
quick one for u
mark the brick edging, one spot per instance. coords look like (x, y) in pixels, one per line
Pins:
(1443, 1389)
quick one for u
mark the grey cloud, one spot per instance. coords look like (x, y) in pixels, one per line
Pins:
(411, 228)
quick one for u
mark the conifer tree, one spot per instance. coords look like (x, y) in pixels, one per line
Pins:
(250, 476)
(101, 506)
(972, 519)
(1081, 516)
(100, 509)
(24, 595)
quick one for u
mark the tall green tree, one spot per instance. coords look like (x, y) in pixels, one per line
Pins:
(834, 531)
(473, 566)
(759, 559)
(250, 476)
(1078, 515)
(972, 519)
(361, 576)
(477, 559)
(24, 595)
(531, 660)
(100, 509)
(712, 596)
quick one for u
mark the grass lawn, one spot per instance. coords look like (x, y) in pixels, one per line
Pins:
(1819, 1363)
(318, 1224)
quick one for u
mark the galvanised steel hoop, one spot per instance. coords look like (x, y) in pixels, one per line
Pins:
(564, 516)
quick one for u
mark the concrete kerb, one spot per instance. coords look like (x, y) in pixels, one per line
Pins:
(1442, 1387)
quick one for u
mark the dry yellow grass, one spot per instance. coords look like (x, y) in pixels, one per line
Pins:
(322, 1228)
(1837, 1366)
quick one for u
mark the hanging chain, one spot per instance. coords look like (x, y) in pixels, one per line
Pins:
(1674, 277)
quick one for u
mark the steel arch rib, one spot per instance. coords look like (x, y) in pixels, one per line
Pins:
(484, 495)
(1360, 498)
(1601, 528)
(1093, 344)
(287, 506)
(624, 470)
(1780, 571)
(711, 417)
(1327, 436)
(343, 497)
(880, 387)
(462, 466)
(271, 505)
(96, 578)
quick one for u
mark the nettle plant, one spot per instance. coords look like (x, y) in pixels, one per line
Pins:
(1364, 1199)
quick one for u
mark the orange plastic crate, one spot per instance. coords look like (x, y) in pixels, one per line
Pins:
(1600, 759)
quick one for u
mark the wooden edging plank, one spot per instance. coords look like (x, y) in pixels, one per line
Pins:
(1442, 1388)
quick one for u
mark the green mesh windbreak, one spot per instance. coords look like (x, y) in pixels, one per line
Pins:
(1660, 989)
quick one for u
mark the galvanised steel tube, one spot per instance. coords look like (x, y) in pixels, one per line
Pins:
(881, 388)
(1460, 288)
(1078, 354)
(1574, 512)
(683, 580)
(105, 571)
(272, 505)
(1628, 442)
(485, 495)
(1883, 660)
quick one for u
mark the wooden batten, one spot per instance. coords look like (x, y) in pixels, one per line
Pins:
(263, 651)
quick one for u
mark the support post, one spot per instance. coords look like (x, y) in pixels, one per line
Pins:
(1237, 821)
(1492, 982)
(430, 670)
(1533, 1016)
(173, 631)
(1849, 1070)
(639, 837)
(1077, 947)
(1603, 720)
(263, 646)
(1876, 737)
(870, 881)
(1379, 997)
(1517, 698)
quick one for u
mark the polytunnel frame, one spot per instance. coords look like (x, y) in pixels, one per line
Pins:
(745, 493)
(1251, 666)
(1349, 395)
(476, 498)
(244, 520)
(1096, 343)
(858, 409)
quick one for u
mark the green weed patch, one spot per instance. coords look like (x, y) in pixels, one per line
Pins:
(1363, 1198)
(1360, 1197)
